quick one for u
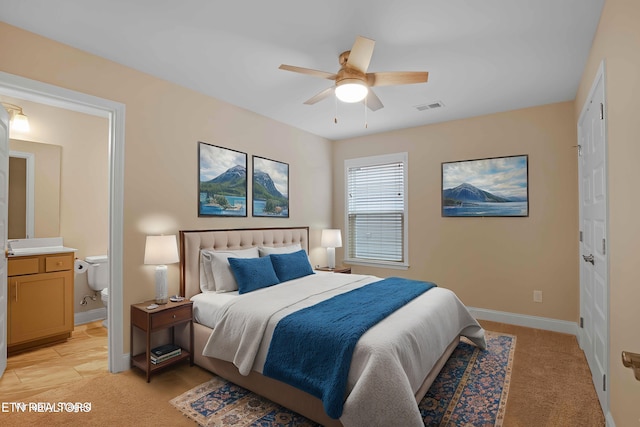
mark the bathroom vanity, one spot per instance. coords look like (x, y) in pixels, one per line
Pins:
(40, 296)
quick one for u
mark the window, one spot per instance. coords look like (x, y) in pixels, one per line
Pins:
(376, 201)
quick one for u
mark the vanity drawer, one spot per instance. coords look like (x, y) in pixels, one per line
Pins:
(169, 317)
(58, 263)
(22, 266)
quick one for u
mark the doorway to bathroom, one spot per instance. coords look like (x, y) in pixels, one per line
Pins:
(34, 91)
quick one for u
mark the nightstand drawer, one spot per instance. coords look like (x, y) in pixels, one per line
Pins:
(167, 318)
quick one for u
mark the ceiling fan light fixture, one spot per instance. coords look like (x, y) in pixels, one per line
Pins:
(351, 90)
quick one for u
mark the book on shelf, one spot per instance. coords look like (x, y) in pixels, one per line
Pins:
(164, 349)
(159, 359)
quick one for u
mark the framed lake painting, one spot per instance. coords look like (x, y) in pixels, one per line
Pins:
(222, 181)
(497, 186)
(270, 188)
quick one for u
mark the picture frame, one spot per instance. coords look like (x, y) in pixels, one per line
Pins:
(222, 181)
(270, 188)
(490, 187)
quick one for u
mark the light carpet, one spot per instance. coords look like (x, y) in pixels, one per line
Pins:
(471, 389)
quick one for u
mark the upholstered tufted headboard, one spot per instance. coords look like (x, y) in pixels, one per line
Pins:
(192, 241)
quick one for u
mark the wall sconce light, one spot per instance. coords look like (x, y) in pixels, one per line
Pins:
(19, 121)
(161, 250)
(331, 239)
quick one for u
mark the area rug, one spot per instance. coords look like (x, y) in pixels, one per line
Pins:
(471, 390)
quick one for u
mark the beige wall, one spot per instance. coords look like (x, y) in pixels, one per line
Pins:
(164, 122)
(491, 263)
(617, 42)
(72, 182)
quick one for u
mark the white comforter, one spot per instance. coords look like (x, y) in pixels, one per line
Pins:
(390, 360)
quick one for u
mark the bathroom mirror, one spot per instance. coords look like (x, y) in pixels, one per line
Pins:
(34, 189)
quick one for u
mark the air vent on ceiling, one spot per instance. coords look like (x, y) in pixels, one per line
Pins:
(429, 106)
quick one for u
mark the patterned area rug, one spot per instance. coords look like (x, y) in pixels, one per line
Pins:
(471, 390)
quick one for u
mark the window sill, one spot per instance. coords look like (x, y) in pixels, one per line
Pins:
(378, 264)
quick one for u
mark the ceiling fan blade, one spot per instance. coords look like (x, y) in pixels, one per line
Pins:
(309, 71)
(373, 102)
(397, 78)
(361, 53)
(320, 96)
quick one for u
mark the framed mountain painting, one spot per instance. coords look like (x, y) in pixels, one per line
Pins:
(222, 183)
(270, 188)
(496, 186)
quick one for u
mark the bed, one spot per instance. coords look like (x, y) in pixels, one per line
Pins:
(393, 364)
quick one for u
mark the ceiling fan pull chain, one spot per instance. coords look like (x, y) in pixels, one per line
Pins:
(335, 118)
(366, 125)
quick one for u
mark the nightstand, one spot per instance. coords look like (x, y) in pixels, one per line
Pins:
(166, 316)
(339, 269)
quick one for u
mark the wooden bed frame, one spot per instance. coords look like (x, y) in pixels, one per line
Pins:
(191, 242)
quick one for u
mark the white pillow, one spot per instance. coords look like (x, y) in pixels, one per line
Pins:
(223, 277)
(268, 250)
(206, 274)
(208, 265)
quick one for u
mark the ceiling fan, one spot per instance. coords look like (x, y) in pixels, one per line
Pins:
(353, 83)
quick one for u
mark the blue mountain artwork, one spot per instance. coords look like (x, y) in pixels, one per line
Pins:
(467, 193)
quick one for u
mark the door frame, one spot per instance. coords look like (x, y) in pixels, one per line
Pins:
(4, 220)
(43, 93)
(599, 76)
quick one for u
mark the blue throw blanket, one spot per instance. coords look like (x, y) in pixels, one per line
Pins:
(311, 349)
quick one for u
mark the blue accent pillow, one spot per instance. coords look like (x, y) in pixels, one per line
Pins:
(291, 266)
(253, 273)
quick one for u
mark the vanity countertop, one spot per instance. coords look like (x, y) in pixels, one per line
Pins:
(39, 251)
(37, 246)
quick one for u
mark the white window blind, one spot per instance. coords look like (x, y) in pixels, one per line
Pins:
(376, 209)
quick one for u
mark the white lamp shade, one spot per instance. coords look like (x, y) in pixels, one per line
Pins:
(20, 123)
(331, 238)
(351, 91)
(161, 250)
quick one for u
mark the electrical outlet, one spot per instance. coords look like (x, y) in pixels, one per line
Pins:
(537, 296)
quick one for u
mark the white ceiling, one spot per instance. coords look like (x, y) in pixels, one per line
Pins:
(483, 56)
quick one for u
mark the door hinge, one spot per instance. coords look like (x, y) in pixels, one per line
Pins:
(581, 235)
(601, 111)
(604, 246)
(604, 382)
(582, 322)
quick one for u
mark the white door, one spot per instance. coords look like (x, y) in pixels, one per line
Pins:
(594, 258)
(4, 198)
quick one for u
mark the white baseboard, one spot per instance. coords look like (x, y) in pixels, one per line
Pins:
(89, 316)
(122, 364)
(609, 420)
(536, 322)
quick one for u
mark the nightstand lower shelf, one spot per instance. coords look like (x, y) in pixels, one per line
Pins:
(140, 360)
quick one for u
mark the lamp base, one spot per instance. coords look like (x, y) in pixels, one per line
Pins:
(162, 292)
(331, 258)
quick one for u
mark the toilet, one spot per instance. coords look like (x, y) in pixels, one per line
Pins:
(98, 277)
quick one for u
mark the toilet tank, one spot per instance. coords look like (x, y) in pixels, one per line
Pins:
(98, 272)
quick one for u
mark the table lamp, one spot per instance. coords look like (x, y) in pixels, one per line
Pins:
(161, 250)
(331, 239)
